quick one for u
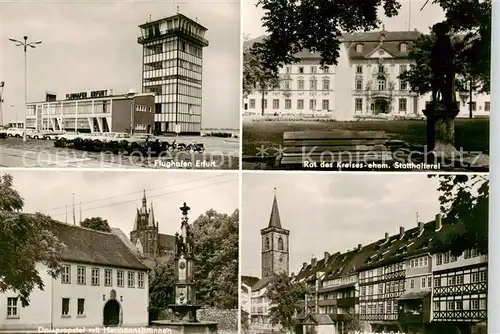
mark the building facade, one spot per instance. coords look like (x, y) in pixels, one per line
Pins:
(95, 111)
(401, 282)
(172, 70)
(247, 283)
(102, 283)
(149, 243)
(364, 84)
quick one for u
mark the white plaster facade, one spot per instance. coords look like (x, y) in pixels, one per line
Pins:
(46, 307)
(364, 84)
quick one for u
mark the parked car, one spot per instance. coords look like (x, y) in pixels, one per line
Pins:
(52, 135)
(117, 136)
(14, 132)
(70, 135)
(142, 137)
(34, 134)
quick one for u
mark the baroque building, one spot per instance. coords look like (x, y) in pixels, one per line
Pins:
(149, 243)
(364, 84)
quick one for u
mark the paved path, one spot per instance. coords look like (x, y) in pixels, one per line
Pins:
(11, 157)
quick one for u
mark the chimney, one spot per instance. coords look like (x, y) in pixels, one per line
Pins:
(304, 265)
(438, 222)
(386, 236)
(327, 256)
(359, 247)
(313, 261)
(401, 232)
(420, 227)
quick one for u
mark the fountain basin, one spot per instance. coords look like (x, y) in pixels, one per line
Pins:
(186, 327)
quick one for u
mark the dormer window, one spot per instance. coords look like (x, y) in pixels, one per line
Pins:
(402, 47)
(359, 48)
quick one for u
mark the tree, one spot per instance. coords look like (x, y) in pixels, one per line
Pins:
(284, 295)
(471, 23)
(256, 77)
(318, 25)
(464, 203)
(25, 242)
(216, 259)
(244, 320)
(161, 287)
(96, 223)
(352, 324)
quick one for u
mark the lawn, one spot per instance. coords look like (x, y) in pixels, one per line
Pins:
(470, 134)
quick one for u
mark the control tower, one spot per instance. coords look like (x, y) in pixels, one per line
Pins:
(172, 69)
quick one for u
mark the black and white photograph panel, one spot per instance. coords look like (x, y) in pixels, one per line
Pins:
(389, 85)
(364, 253)
(121, 84)
(154, 253)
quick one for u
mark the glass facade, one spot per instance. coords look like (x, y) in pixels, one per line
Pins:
(172, 70)
(81, 115)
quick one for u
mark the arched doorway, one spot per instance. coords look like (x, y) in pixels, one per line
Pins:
(381, 106)
(111, 313)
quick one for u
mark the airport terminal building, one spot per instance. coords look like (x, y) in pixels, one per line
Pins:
(93, 111)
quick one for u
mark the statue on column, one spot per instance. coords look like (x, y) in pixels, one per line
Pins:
(442, 67)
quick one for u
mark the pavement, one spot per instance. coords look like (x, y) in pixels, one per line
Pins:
(12, 157)
(40, 153)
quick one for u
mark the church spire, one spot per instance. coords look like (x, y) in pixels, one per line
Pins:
(274, 219)
(151, 217)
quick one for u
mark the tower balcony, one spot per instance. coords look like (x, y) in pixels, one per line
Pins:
(181, 32)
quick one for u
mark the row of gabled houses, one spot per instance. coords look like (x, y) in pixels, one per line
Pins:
(400, 283)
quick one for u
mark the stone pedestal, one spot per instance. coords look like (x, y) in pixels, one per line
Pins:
(185, 312)
(441, 129)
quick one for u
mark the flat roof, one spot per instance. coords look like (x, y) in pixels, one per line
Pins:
(107, 97)
(179, 15)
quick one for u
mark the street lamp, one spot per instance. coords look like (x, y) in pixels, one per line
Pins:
(25, 45)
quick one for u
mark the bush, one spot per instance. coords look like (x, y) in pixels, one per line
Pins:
(3, 135)
(153, 149)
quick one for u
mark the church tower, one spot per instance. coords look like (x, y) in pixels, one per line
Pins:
(145, 233)
(275, 251)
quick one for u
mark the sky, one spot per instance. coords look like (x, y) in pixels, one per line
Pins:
(409, 12)
(92, 45)
(331, 212)
(115, 196)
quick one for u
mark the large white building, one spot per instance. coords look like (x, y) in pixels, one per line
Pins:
(93, 111)
(364, 84)
(172, 70)
(103, 283)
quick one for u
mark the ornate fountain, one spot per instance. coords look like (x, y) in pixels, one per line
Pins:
(185, 306)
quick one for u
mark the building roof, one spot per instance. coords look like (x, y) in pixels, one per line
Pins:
(262, 283)
(94, 247)
(249, 280)
(178, 15)
(274, 219)
(106, 97)
(317, 319)
(388, 41)
(385, 251)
